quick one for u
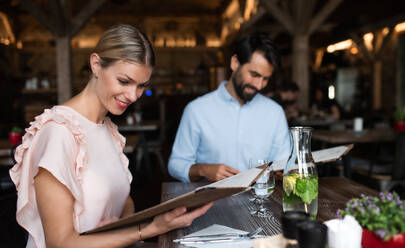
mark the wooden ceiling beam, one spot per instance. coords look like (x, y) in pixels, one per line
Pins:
(48, 21)
(281, 15)
(385, 40)
(58, 11)
(358, 39)
(321, 16)
(84, 15)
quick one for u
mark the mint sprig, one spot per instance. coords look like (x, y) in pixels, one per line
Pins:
(307, 189)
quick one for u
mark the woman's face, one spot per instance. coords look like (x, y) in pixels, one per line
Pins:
(121, 84)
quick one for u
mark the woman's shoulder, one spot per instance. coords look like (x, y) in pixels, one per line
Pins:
(54, 122)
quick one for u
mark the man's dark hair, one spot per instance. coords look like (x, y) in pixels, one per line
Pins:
(261, 42)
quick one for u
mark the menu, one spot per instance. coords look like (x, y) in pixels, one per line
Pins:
(217, 190)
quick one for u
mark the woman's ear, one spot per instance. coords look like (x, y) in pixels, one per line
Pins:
(95, 64)
(234, 62)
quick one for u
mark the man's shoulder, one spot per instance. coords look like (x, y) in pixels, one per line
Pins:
(205, 100)
(268, 103)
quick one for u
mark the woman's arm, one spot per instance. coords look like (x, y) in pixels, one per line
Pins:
(128, 208)
(55, 205)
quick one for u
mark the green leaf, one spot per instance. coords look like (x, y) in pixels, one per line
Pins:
(307, 188)
(16, 130)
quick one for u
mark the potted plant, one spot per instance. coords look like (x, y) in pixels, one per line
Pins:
(400, 119)
(382, 219)
(15, 135)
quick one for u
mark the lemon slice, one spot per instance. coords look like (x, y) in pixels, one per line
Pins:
(289, 184)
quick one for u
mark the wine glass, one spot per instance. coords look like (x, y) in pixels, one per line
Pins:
(253, 163)
(263, 189)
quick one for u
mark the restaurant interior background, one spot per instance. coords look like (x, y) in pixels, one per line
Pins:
(355, 49)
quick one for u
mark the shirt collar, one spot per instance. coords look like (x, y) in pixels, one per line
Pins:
(224, 94)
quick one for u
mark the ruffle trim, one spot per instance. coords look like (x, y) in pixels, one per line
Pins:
(17, 173)
(120, 141)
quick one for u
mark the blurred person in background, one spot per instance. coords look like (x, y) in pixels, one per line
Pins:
(323, 107)
(287, 97)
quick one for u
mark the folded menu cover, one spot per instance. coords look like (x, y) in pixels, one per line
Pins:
(217, 190)
(198, 197)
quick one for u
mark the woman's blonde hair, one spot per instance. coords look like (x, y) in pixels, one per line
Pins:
(124, 42)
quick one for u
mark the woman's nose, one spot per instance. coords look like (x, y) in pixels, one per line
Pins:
(132, 94)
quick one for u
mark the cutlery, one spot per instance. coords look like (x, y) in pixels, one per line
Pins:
(221, 236)
(205, 241)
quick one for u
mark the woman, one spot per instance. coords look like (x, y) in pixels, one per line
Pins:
(71, 173)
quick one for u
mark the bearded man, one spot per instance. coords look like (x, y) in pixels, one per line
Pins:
(221, 131)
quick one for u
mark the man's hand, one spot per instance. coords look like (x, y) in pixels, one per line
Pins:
(213, 172)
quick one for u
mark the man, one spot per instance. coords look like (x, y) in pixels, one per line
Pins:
(220, 131)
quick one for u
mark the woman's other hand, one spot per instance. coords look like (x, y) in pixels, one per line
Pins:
(178, 217)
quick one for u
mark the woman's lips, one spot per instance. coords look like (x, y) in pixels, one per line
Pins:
(121, 104)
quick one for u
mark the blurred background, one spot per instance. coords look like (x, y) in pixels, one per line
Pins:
(352, 52)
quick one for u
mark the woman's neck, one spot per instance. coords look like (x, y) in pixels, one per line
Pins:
(88, 104)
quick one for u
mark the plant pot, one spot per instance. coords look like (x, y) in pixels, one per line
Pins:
(15, 138)
(400, 126)
(370, 240)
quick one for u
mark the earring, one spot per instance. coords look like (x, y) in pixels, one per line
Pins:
(95, 76)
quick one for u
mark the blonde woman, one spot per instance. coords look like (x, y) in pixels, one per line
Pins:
(71, 173)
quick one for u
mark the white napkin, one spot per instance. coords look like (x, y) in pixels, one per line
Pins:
(344, 233)
(218, 229)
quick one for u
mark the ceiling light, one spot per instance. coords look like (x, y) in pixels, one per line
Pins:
(339, 46)
(400, 27)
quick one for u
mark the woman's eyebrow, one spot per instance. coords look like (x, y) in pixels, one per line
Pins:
(128, 77)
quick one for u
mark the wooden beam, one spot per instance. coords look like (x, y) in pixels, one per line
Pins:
(47, 20)
(309, 7)
(300, 68)
(253, 19)
(84, 15)
(64, 68)
(280, 15)
(385, 40)
(298, 15)
(377, 84)
(57, 10)
(358, 39)
(242, 7)
(323, 14)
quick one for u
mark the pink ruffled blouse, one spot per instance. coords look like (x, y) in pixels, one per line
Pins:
(84, 156)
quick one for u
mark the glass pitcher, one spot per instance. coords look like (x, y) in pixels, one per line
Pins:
(300, 178)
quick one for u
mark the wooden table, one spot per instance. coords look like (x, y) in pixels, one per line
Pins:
(149, 125)
(233, 211)
(349, 136)
(322, 123)
(338, 137)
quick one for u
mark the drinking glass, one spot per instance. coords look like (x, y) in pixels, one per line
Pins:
(263, 188)
(253, 163)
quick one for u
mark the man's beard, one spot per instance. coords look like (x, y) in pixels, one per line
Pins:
(240, 86)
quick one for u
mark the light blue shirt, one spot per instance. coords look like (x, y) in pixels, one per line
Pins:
(215, 129)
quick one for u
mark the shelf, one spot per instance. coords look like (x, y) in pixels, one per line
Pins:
(39, 91)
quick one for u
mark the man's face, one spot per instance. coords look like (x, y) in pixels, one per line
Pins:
(250, 78)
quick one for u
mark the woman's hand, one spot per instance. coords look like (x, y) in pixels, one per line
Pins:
(178, 217)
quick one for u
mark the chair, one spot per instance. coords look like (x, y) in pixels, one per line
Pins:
(155, 146)
(388, 173)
